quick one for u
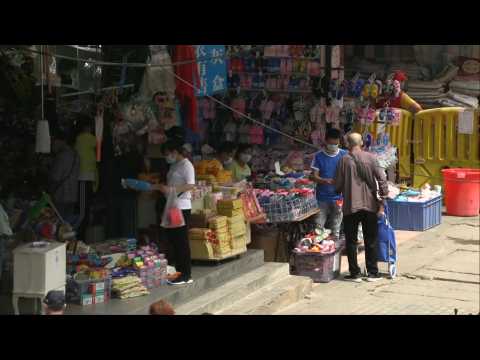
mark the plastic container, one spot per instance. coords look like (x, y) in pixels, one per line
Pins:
(415, 216)
(462, 191)
(321, 268)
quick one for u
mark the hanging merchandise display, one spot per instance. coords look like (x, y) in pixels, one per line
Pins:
(99, 131)
(158, 78)
(188, 72)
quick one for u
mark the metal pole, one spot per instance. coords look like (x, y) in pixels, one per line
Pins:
(41, 81)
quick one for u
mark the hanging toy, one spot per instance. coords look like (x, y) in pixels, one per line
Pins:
(367, 140)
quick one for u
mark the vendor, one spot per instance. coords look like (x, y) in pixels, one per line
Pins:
(239, 167)
(398, 98)
(224, 156)
(181, 176)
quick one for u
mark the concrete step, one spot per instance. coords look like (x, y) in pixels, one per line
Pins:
(272, 298)
(206, 279)
(234, 290)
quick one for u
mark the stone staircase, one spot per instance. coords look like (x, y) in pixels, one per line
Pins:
(262, 291)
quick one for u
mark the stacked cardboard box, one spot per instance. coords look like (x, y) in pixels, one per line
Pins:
(220, 226)
(237, 230)
(202, 241)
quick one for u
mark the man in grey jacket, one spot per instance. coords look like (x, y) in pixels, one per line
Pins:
(364, 187)
(64, 176)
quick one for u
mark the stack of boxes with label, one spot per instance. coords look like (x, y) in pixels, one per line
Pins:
(233, 210)
(222, 246)
(93, 290)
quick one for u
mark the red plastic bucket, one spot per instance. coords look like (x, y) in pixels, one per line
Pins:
(462, 191)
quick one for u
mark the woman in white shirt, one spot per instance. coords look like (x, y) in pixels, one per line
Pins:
(181, 176)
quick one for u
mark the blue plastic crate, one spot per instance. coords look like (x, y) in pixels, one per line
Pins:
(415, 216)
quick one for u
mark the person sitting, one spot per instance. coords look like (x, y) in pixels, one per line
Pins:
(161, 308)
(239, 167)
(54, 303)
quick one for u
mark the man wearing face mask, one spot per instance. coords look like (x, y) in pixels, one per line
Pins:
(239, 168)
(324, 166)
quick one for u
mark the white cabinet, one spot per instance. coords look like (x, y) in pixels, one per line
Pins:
(38, 270)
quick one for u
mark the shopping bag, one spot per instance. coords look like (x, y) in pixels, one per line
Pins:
(172, 215)
(387, 244)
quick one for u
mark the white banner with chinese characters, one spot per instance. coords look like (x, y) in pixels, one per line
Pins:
(212, 69)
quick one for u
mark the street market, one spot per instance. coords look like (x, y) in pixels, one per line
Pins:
(122, 180)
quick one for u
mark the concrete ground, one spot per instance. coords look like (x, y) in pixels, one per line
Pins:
(439, 273)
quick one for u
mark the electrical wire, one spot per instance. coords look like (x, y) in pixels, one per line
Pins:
(139, 65)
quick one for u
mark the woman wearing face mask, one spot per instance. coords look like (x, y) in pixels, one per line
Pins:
(181, 176)
(224, 155)
(239, 168)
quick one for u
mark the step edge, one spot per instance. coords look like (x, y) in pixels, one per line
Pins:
(257, 279)
(275, 291)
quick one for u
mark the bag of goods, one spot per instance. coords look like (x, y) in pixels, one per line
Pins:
(172, 214)
(128, 287)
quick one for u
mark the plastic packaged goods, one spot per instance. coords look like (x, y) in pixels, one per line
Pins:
(137, 185)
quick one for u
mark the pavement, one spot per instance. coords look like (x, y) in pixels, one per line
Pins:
(438, 274)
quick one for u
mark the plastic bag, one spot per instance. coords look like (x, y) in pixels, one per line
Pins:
(172, 215)
(387, 244)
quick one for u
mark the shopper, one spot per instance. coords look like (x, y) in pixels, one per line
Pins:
(63, 181)
(324, 166)
(181, 176)
(85, 145)
(54, 303)
(363, 185)
(239, 167)
(161, 308)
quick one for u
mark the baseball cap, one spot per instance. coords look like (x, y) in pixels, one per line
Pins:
(55, 300)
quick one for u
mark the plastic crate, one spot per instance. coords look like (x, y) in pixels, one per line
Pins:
(321, 268)
(415, 216)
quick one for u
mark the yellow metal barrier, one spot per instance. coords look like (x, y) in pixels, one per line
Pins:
(438, 145)
(400, 137)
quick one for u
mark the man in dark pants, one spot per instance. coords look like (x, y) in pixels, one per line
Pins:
(364, 186)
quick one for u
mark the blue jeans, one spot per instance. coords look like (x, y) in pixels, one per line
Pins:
(331, 215)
